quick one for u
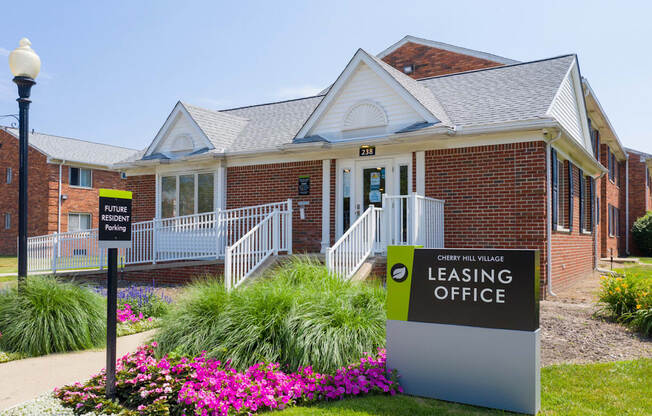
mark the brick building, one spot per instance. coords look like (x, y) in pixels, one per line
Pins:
(507, 145)
(64, 176)
(639, 200)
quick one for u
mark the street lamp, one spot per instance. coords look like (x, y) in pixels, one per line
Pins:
(25, 66)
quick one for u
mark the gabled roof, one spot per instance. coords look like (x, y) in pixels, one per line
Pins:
(221, 128)
(414, 94)
(599, 116)
(446, 47)
(75, 150)
(500, 94)
(520, 92)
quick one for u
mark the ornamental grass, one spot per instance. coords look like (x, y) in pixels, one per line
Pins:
(47, 315)
(299, 315)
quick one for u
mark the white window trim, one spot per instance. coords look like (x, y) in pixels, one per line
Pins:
(70, 168)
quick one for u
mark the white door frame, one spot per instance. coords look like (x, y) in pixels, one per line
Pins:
(355, 166)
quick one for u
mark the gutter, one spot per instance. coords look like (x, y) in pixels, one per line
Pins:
(549, 212)
(627, 204)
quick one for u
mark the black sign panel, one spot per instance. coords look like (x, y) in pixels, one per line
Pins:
(114, 220)
(367, 151)
(304, 185)
(482, 288)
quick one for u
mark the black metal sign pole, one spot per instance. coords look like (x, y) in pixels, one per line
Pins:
(111, 321)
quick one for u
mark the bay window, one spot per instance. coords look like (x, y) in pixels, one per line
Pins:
(187, 194)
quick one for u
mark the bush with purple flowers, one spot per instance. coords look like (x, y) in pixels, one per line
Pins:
(200, 386)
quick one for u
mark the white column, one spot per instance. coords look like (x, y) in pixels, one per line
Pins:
(326, 205)
(421, 172)
(220, 186)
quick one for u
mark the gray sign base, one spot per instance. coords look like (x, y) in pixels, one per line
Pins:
(496, 368)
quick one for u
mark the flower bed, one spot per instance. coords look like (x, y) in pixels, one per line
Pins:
(200, 386)
(628, 298)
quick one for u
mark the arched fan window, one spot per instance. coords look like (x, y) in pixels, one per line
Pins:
(364, 114)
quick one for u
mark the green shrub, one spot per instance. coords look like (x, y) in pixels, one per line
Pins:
(642, 233)
(46, 316)
(298, 315)
(628, 299)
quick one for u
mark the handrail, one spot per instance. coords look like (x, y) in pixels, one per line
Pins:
(346, 256)
(251, 250)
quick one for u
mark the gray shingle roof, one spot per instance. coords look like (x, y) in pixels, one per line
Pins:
(221, 128)
(516, 92)
(271, 125)
(75, 150)
(500, 94)
(418, 91)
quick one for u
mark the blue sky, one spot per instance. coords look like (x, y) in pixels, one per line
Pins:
(112, 71)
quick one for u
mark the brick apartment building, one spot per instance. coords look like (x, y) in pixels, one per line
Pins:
(639, 201)
(64, 176)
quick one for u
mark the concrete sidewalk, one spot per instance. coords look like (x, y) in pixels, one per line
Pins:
(23, 380)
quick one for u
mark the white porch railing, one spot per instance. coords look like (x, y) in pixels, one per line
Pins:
(413, 220)
(404, 220)
(251, 250)
(356, 244)
(199, 236)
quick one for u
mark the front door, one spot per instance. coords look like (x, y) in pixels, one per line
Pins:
(372, 181)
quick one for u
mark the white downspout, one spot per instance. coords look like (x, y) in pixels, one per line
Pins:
(627, 204)
(549, 214)
(59, 200)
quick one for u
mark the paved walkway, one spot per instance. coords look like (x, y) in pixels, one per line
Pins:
(23, 380)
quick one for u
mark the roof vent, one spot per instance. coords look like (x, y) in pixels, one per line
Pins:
(408, 69)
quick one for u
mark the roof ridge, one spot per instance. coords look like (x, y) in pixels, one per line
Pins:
(70, 138)
(496, 67)
(270, 103)
(216, 112)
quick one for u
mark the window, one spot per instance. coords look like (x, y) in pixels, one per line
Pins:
(613, 167)
(346, 199)
(7, 221)
(562, 193)
(595, 142)
(614, 221)
(9, 175)
(79, 222)
(80, 177)
(187, 194)
(617, 173)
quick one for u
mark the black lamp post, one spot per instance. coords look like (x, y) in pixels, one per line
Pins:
(25, 66)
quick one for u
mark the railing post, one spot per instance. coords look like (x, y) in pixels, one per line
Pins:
(289, 226)
(276, 225)
(329, 260)
(101, 256)
(55, 250)
(154, 237)
(218, 232)
(227, 268)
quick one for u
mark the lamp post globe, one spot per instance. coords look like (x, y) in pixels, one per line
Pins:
(25, 66)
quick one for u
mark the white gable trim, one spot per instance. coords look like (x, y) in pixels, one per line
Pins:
(178, 110)
(446, 47)
(362, 57)
(576, 125)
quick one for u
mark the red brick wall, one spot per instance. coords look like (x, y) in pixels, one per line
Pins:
(495, 195)
(639, 194)
(496, 198)
(572, 251)
(143, 205)
(80, 200)
(431, 62)
(260, 184)
(611, 194)
(37, 193)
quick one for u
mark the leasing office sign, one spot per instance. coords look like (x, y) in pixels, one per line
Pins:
(484, 288)
(479, 311)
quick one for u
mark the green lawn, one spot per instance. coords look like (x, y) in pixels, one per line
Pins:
(8, 264)
(646, 260)
(613, 389)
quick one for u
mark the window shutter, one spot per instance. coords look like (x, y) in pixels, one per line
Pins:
(592, 206)
(554, 178)
(570, 195)
(581, 196)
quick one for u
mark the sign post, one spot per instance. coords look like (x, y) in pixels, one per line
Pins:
(463, 325)
(114, 232)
